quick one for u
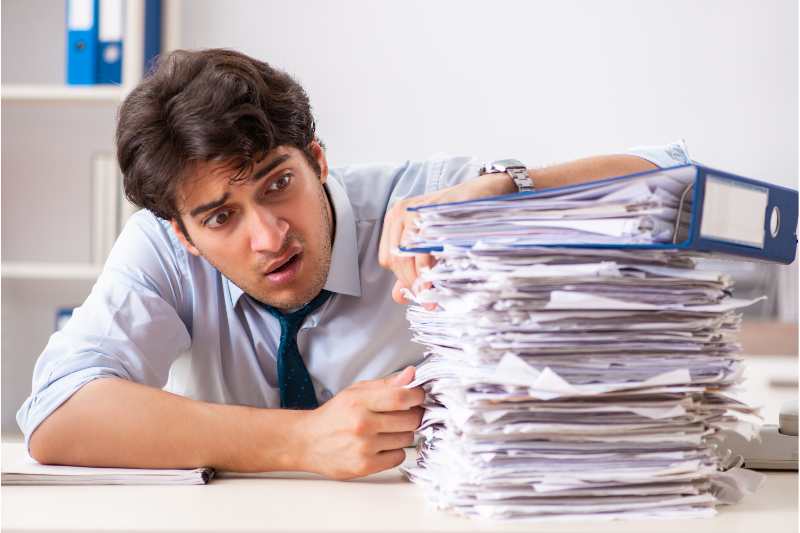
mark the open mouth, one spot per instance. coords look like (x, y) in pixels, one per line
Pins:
(287, 265)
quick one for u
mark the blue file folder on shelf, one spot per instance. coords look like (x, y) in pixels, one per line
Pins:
(152, 33)
(95, 40)
(686, 207)
(109, 46)
(82, 44)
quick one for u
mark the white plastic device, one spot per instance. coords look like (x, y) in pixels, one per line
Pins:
(777, 447)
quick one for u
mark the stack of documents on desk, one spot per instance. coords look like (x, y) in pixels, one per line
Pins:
(641, 210)
(580, 382)
(20, 469)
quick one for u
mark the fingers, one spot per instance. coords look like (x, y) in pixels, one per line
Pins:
(389, 459)
(404, 267)
(385, 400)
(398, 379)
(390, 235)
(397, 224)
(388, 394)
(403, 378)
(408, 269)
(397, 293)
(398, 421)
(421, 262)
(394, 441)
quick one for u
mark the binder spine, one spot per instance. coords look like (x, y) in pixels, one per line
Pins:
(152, 33)
(779, 226)
(109, 49)
(82, 44)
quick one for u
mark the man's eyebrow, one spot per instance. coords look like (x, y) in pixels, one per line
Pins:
(263, 171)
(269, 167)
(210, 205)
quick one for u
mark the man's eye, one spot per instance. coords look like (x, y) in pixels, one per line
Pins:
(280, 183)
(217, 219)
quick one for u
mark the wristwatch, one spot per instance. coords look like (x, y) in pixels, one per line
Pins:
(516, 169)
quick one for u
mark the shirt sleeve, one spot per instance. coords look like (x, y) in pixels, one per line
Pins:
(133, 324)
(664, 156)
(439, 172)
(392, 182)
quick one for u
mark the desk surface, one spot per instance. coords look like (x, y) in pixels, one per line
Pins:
(383, 502)
(301, 502)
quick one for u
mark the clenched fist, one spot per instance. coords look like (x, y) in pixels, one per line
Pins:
(364, 428)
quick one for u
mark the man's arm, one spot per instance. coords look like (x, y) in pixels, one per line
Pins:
(118, 423)
(97, 398)
(398, 219)
(114, 422)
(587, 169)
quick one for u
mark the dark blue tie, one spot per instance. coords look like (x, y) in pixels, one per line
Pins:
(297, 390)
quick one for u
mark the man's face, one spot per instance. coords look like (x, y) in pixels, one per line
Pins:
(270, 234)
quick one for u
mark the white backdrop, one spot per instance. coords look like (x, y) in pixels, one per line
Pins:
(542, 81)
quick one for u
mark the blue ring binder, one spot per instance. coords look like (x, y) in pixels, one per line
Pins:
(780, 248)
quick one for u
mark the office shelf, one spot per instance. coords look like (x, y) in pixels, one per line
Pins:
(53, 271)
(62, 93)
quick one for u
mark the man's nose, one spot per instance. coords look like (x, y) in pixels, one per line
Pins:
(267, 232)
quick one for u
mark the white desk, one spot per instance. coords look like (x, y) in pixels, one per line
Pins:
(384, 502)
(300, 503)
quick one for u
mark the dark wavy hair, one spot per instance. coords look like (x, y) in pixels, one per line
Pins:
(206, 105)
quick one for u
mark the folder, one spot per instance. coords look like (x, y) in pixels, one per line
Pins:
(718, 212)
(82, 42)
(742, 217)
(152, 33)
(109, 50)
(63, 314)
(105, 202)
(111, 41)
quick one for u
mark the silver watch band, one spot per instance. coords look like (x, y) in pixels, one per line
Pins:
(521, 178)
(514, 168)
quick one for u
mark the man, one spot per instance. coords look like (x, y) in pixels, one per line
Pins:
(273, 273)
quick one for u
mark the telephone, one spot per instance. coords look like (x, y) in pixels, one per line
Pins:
(777, 447)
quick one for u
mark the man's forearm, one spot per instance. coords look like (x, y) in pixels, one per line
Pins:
(588, 169)
(117, 423)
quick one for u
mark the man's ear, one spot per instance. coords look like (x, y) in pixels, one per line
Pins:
(191, 248)
(319, 154)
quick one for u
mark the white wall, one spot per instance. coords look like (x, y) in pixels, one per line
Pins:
(542, 81)
(539, 80)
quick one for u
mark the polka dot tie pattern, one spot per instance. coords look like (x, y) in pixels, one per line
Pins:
(297, 390)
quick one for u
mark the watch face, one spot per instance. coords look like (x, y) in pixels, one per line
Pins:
(503, 164)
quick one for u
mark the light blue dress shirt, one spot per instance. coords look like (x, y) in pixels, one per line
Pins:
(165, 318)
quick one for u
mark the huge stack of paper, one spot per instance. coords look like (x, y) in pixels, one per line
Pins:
(568, 382)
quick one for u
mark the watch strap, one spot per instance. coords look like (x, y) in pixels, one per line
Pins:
(514, 168)
(521, 178)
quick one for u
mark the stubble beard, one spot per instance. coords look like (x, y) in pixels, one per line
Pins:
(318, 266)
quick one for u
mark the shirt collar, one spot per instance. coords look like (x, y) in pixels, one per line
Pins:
(343, 275)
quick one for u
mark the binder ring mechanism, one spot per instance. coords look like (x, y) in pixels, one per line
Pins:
(775, 221)
(679, 217)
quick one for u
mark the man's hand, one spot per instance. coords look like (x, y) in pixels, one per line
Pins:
(399, 221)
(364, 428)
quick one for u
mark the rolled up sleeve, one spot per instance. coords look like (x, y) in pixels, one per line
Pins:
(664, 156)
(416, 178)
(133, 325)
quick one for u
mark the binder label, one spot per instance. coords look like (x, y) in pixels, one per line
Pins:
(81, 14)
(734, 212)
